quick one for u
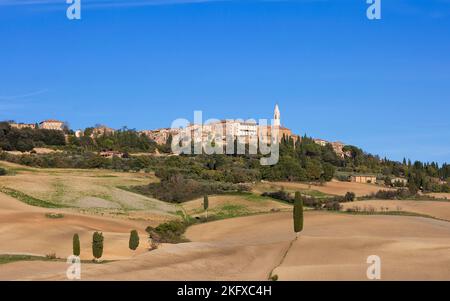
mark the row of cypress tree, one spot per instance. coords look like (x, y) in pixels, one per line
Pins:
(97, 243)
(97, 238)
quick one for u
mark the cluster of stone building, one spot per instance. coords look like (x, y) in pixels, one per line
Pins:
(244, 131)
(337, 146)
(49, 124)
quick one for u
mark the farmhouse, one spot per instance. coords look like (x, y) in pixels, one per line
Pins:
(363, 179)
(51, 124)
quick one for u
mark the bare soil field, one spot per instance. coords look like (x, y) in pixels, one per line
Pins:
(436, 209)
(94, 204)
(332, 247)
(332, 188)
(29, 230)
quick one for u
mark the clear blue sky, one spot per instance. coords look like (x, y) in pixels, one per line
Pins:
(382, 85)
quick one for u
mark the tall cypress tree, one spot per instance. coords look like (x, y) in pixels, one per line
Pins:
(206, 205)
(97, 245)
(298, 214)
(134, 240)
(76, 245)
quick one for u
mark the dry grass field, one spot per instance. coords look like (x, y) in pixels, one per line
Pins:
(437, 209)
(93, 191)
(331, 188)
(333, 246)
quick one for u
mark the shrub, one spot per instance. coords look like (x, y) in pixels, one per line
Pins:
(170, 232)
(274, 278)
(54, 215)
(399, 194)
(180, 189)
(349, 197)
(280, 195)
(2, 171)
(333, 205)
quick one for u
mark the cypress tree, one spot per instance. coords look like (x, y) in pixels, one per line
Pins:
(206, 205)
(298, 214)
(134, 240)
(76, 245)
(97, 245)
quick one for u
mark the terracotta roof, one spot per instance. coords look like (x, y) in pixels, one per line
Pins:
(51, 120)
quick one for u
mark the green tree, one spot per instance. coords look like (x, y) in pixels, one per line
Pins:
(206, 205)
(76, 245)
(134, 240)
(298, 214)
(328, 171)
(349, 197)
(97, 245)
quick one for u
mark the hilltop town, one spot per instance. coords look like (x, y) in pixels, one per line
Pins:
(111, 186)
(238, 129)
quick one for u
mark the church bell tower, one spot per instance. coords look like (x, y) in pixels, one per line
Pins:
(276, 117)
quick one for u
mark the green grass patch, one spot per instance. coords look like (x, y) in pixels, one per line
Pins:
(314, 193)
(4, 259)
(27, 199)
(230, 211)
(54, 215)
(7, 258)
(392, 213)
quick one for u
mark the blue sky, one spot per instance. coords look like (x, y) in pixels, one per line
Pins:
(382, 85)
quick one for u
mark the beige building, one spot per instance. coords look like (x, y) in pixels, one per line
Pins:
(22, 125)
(238, 129)
(160, 136)
(399, 180)
(51, 124)
(338, 147)
(363, 179)
(321, 142)
(101, 130)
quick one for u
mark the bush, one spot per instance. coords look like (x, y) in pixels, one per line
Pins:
(54, 215)
(333, 205)
(280, 195)
(349, 197)
(2, 171)
(170, 232)
(180, 189)
(399, 194)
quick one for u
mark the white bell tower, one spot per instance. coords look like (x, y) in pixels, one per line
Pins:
(276, 116)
